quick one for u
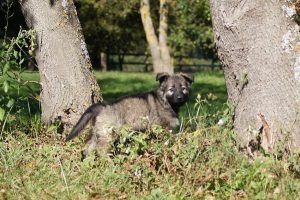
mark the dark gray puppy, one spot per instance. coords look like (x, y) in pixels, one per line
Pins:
(139, 112)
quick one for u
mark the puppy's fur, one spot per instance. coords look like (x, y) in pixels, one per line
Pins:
(140, 112)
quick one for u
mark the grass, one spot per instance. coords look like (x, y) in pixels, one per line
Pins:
(113, 83)
(202, 162)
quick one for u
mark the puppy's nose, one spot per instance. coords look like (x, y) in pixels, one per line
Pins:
(180, 97)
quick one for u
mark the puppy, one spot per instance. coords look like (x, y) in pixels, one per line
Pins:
(139, 112)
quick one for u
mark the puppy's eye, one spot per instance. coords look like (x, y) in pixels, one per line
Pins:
(184, 90)
(171, 90)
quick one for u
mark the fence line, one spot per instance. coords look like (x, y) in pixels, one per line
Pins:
(143, 62)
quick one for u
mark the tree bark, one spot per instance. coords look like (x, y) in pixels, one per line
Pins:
(68, 84)
(150, 35)
(158, 48)
(163, 36)
(258, 45)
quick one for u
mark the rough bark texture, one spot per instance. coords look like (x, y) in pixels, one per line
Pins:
(258, 44)
(68, 84)
(158, 48)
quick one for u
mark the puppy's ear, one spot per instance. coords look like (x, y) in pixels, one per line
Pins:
(161, 77)
(187, 77)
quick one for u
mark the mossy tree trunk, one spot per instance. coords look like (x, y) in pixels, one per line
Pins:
(68, 84)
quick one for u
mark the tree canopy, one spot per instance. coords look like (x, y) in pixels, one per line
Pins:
(115, 26)
(190, 28)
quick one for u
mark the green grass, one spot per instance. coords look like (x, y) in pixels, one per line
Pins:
(116, 84)
(203, 162)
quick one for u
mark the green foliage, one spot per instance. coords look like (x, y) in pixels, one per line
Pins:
(191, 28)
(111, 26)
(204, 113)
(13, 53)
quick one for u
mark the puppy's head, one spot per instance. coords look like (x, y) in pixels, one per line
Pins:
(176, 88)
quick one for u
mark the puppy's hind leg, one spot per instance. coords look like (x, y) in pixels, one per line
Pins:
(103, 147)
(91, 145)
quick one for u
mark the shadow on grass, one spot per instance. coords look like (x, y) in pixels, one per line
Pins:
(113, 88)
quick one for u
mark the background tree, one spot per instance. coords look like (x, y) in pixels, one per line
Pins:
(258, 44)
(111, 27)
(68, 84)
(158, 44)
(116, 27)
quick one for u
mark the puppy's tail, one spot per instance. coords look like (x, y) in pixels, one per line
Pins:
(90, 113)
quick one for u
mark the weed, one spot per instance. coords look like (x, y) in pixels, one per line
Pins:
(12, 56)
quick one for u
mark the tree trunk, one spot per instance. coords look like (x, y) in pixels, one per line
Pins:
(163, 29)
(150, 35)
(121, 61)
(154, 44)
(103, 61)
(258, 45)
(68, 84)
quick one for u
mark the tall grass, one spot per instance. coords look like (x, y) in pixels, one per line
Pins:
(201, 162)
